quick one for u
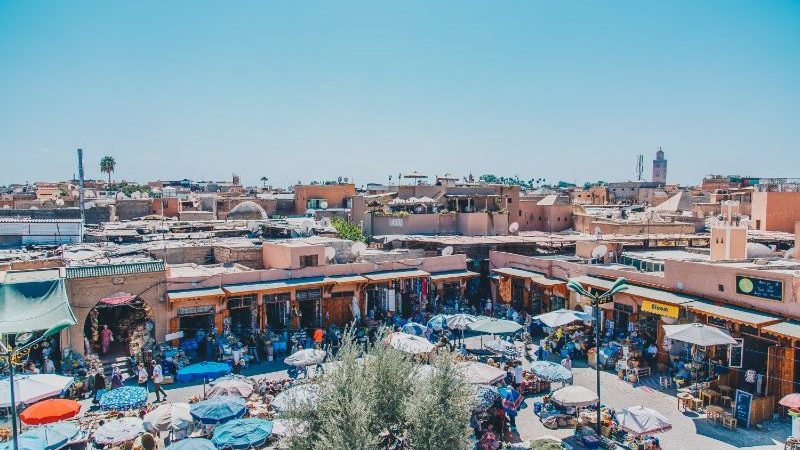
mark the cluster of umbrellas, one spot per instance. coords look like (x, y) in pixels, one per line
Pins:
(47, 437)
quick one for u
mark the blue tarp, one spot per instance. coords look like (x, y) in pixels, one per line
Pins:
(203, 370)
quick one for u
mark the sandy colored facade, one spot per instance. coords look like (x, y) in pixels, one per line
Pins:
(775, 211)
(309, 196)
(534, 216)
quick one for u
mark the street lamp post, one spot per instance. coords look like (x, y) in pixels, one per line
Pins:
(596, 300)
(24, 343)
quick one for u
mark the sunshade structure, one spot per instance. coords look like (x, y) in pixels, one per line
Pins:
(640, 420)
(218, 410)
(485, 396)
(32, 388)
(698, 334)
(302, 394)
(577, 396)
(550, 371)
(495, 326)
(50, 411)
(410, 344)
(124, 398)
(791, 401)
(242, 433)
(307, 357)
(205, 370)
(460, 321)
(502, 348)
(169, 416)
(438, 322)
(33, 300)
(561, 317)
(47, 437)
(480, 373)
(413, 328)
(192, 444)
(232, 385)
(119, 431)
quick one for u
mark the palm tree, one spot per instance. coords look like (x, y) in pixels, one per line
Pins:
(107, 165)
(264, 181)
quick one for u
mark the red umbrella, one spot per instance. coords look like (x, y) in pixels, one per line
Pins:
(791, 401)
(50, 411)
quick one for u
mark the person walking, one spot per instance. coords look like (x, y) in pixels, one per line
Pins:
(99, 385)
(106, 338)
(158, 378)
(142, 375)
(116, 378)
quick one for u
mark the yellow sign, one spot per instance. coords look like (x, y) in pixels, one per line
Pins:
(660, 309)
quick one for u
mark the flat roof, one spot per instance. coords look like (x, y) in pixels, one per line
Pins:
(735, 313)
(395, 274)
(536, 277)
(275, 284)
(640, 291)
(450, 274)
(184, 294)
(26, 276)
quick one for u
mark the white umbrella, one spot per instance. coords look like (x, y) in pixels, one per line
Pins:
(32, 388)
(238, 386)
(576, 396)
(119, 431)
(502, 347)
(460, 321)
(307, 357)
(287, 427)
(562, 317)
(410, 343)
(640, 420)
(480, 373)
(307, 394)
(495, 326)
(698, 334)
(168, 416)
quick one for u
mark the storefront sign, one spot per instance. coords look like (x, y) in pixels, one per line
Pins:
(660, 309)
(759, 287)
(742, 408)
(195, 311)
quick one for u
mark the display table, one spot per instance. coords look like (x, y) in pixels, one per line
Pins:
(685, 400)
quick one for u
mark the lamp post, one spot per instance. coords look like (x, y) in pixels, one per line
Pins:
(24, 344)
(596, 300)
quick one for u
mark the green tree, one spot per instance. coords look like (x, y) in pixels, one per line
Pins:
(107, 165)
(488, 178)
(348, 230)
(545, 444)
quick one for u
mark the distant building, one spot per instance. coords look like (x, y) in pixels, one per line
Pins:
(660, 168)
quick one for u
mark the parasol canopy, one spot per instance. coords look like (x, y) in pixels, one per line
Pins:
(502, 347)
(119, 431)
(124, 398)
(410, 344)
(294, 396)
(460, 321)
(438, 322)
(218, 410)
(169, 416)
(242, 433)
(576, 396)
(192, 444)
(640, 420)
(698, 334)
(232, 385)
(287, 427)
(791, 401)
(561, 317)
(50, 411)
(413, 328)
(307, 357)
(495, 326)
(32, 388)
(203, 370)
(479, 373)
(550, 371)
(47, 437)
(485, 396)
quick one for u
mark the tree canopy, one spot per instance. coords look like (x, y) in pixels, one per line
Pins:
(107, 165)
(348, 230)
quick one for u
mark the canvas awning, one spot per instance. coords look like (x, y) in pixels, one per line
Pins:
(117, 300)
(639, 291)
(790, 329)
(277, 284)
(733, 313)
(343, 279)
(453, 275)
(395, 275)
(185, 294)
(34, 305)
(535, 277)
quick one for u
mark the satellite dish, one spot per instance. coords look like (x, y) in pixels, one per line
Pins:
(513, 228)
(358, 248)
(599, 251)
(326, 221)
(310, 213)
(306, 226)
(597, 233)
(447, 251)
(330, 253)
(323, 204)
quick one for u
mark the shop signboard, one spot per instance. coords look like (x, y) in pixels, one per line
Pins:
(759, 287)
(736, 354)
(195, 311)
(742, 411)
(660, 309)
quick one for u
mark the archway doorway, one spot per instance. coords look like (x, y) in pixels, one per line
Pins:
(130, 320)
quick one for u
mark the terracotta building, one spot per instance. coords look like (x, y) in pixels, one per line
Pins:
(323, 196)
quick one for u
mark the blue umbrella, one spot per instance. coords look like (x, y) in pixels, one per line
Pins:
(47, 437)
(242, 433)
(192, 444)
(413, 328)
(203, 370)
(438, 322)
(485, 396)
(124, 398)
(218, 410)
(550, 371)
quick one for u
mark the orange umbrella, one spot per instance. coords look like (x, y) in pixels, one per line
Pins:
(49, 411)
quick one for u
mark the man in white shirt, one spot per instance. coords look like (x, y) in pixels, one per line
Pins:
(518, 378)
(158, 378)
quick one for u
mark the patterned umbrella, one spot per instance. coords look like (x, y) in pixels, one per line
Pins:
(550, 371)
(485, 396)
(640, 420)
(167, 417)
(192, 444)
(47, 437)
(218, 409)
(119, 431)
(502, 348)
(413, 328)
(124, 398)
(240, 387)
(50, 411)
(242, 433)
(203, 370)
(460, 321)
(438, 322)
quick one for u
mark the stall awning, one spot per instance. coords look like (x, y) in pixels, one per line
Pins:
(185, 294)
(34, 305)
(342, 279)
(536, 277)
(453, 275)
(733, 313)
(118, 300)
(639, 291)
(277, 284)
(395, 275)
(790, 329)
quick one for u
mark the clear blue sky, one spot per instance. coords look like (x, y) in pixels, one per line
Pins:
(315, 90)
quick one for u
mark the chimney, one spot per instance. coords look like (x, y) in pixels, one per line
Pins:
(728, 243)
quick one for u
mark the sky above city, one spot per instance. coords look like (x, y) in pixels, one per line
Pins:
(297, 90)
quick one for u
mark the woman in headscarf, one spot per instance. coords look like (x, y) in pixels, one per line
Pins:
(106, 338)
(116, 378)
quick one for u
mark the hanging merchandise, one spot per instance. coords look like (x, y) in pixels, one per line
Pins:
(424, 288)
(390, 300)
(94, 325)
(505, 289)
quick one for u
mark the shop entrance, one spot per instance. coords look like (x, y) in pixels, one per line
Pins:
(310, 301)
(276, 307)
(196, 322)
(130, 320)
(242, 314)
